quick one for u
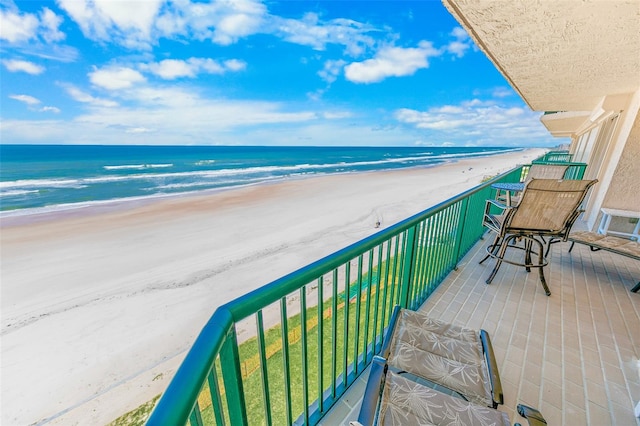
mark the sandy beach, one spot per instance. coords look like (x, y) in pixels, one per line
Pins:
(99, 305)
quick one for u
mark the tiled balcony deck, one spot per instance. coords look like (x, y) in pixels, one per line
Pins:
(574, 355)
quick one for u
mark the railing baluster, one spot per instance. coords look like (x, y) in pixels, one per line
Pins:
(320, 344)
(347, 291)
(368, 307)
(334, 334)
(356, 340)
(195, 419)
(377, 301)
(303, 341)
(387, 284)
(263, 367)
(214, 389)
(232, 377)
(285, 359)
(408, 267)
(464, 210)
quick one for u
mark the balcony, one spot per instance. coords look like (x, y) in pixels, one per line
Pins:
(297, 350)
(574, 354)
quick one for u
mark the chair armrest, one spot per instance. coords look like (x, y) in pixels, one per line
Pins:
(369, 406)
(532, 415)
(499, 204)
(386, 344)
(492, 366)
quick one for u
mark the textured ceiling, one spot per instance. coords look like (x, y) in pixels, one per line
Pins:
(560, 55)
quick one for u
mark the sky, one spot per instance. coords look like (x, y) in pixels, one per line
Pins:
(246, 72)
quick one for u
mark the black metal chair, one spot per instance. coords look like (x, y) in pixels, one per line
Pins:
(548, 208)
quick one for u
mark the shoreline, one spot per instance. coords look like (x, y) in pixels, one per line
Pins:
(158, 270)
(25, 216)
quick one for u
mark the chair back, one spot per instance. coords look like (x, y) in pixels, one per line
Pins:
(549, 206)
(546, 171)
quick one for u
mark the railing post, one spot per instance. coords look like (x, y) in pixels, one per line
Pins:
(408, 267)
(232, 377)
(462, 219)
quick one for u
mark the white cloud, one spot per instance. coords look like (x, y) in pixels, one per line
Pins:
(129, 23)
(240, 18)
(138, 130)
(479, 122)
(311, 31)
(15, 65)
(391, 62)
(336, 115)
(17, 27)
(502, 92)
(139, 24)
(29, 100)
(235, 65)
(115, 78)
(50, 23)
(170, 69)
(24, 27)
(331, 70)
(84, 97)
(50, 109)
(460, 44)
(32, 101)
(174, 109)
(34, 34)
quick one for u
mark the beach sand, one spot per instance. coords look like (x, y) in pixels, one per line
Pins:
(99, 305)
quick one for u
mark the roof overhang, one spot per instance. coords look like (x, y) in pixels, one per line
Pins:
(565, 123)
(558, 55)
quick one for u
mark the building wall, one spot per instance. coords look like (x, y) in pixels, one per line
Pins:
(615, 191)
(624, 190)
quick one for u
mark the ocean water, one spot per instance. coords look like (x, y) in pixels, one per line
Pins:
(49, 177)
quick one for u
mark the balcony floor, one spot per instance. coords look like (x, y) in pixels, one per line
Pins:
(574, 355)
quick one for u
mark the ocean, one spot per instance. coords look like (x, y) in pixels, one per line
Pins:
(35, 178)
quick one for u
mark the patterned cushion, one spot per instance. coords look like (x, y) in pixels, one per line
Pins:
(405, 402)
(606, 242)
(443, 353)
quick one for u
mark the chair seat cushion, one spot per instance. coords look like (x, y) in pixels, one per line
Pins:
(405, 402)
(442, 353)
(607, 242)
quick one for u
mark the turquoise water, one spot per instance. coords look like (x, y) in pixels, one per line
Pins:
(50, 176)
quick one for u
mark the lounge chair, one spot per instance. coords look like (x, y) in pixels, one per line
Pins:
(548, 208)
(449, 358)
(394, 399)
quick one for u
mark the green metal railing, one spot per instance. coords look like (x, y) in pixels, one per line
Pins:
(556, 157)
(575, 171)
(286, 352)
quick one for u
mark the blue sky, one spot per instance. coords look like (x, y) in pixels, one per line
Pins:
(245, 72)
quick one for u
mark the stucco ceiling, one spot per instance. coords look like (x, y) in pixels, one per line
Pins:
(560, 55)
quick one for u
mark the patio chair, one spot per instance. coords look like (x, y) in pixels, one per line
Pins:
(393, 399)
(536, 171)
(548, 208)
(446, 357)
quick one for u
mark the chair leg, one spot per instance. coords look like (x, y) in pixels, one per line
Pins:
(636, 288)
(527, 254)
(491, 248)
(541, 268)
(499, 257)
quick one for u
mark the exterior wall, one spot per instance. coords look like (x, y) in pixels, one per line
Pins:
(620, 156)
(623, 191)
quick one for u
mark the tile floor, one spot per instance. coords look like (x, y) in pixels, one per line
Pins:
(574, 354)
